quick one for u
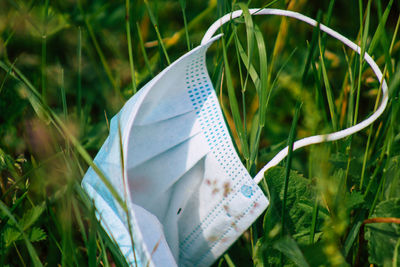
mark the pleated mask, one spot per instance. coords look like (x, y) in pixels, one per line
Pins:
(171, 159)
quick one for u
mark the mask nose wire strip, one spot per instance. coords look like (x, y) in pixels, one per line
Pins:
(316, 138)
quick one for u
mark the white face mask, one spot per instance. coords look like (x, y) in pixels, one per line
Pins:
(188, 193)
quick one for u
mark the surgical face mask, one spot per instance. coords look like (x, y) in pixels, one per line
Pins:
(189, 197)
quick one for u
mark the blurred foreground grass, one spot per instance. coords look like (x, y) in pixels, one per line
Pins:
(341, 210)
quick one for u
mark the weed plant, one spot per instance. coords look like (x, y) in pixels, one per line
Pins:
(66, 67)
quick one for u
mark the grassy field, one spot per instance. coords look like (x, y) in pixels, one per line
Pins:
(66, 67)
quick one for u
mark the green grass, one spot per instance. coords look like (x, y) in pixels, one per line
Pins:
(66, 68)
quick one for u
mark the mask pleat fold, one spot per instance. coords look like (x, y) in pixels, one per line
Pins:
(163, 136)
(159, 173)
(166, 99)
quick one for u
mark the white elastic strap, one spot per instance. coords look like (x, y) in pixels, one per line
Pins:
(316, 138)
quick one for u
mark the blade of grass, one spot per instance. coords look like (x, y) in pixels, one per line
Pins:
(328, 89)
(228, 260)
(234, 105)
(79, 86)
(390, 51)
(118, 258)
(127, 212)
(380, 36)
(6, 77)
(250, 44)
(144, 53)
(51, 219)
(366, 152)
(109, 240)
(67, 245)
(292, 137)
(367, 147)
(250, 68)
(91, 246)
(364, 35)
(102, 57)
(352, 236)
(63, 130)
(263, 91)
(237, 44)
(274, 82)
(243, 89)
(4, 46)
(349, 75)
(99, 51)
(155, 25)
(192, 24)
(103, 251)
(19, 255)
(63, 96)
(249, 37)
(43, 57)
(327, 22)
(183, 7)
(78, 218)
(311, 52)
(128, 36)
(257, 82)
(395, 82)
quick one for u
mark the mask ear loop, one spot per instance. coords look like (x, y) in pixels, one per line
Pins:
(316, 139)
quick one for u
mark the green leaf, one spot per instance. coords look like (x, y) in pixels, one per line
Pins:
(31, 216)
(31, 250)
(307, 205)
(291, 250)
(264, 254)
(382, 237)
(11, 234)
(315, 255)
(297, 213)
(36, 234)
(299, 191)
(354, 200)
(392, 178)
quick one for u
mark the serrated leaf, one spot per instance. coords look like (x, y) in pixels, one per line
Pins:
(307, 205)
(354, 200)
(299, 217)
(31, 216)
(36, 234)
(32, 252)
(382, 237)
(299, 191)
(11, 234)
